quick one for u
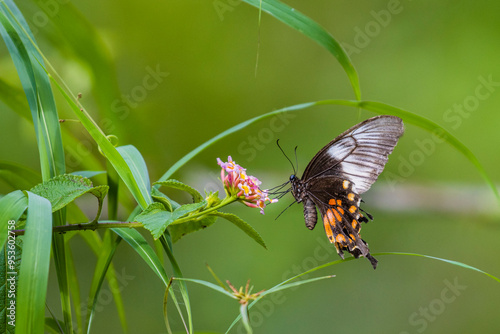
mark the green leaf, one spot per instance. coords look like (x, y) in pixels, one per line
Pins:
(314, 31)
(167, 246)
(179, 230)
(377, 107)
(88, 173)
(207, 284)
(171, 183)
(156, 218)
(94, 241)
(64, 189)
(141, 246)
(137, 165)
(34, 273)
(12, 206)
(103, 262)
(244, 226)
(160, 197)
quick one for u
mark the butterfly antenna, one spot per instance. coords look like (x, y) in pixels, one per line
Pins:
(285, 209)
(296, 159)
(291, 163)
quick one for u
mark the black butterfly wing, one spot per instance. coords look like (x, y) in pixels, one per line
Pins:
(339, 207)
(359, 154)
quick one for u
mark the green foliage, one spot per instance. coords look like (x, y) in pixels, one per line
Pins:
(64, 189)
(171, 183)
(44, 206)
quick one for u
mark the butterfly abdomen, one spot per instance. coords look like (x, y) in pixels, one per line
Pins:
(310, 213)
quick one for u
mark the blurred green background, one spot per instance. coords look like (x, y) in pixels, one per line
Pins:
(437, 59)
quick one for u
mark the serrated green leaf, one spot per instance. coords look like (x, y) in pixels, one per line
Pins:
(34, 273)
(179, 230)
(64, 189)
(171, 183)
(244, 226)
(160, 197)
(156, 218)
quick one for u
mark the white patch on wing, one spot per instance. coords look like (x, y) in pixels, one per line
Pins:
(364, 151)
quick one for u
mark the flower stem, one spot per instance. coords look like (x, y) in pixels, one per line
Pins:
(87, 226)
(224, 202)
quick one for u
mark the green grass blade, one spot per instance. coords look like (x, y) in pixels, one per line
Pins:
(146, 252)
(377, 107)
(74, 32)
(74, 286)
(108, 150)
(12, 206)
(243, 225)
(95, 243)
(206, 284)
(175, 167)
(455, 263)
(107, 251)
(245, 319)
(34, 272)
(137, 165)
(167, 246)
(314, 31)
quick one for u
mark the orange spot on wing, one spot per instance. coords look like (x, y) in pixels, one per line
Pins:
(337, 215)
(352, 209)
(345, 184)
(340, 238)
(339, 209)
(354, 223)
(329, 218)
(328, 230)
(331, 201)
(350, 197)
(339, 202)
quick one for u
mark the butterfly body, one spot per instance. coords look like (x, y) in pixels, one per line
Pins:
(339, 173)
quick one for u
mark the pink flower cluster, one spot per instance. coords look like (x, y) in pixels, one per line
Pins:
(245, 187)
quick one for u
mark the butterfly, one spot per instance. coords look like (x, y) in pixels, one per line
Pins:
(338, 174)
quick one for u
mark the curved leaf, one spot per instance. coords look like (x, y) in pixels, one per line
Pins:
(314, 31)
(243, 225)
(171, 183)
(377, 107)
